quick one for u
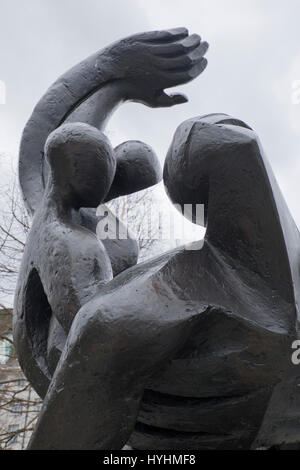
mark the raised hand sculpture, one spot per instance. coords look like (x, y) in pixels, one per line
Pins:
(137, 68)
(190, 350)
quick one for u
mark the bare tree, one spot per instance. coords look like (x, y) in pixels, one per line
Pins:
(14, 227)
(19, 405)
(141, 213)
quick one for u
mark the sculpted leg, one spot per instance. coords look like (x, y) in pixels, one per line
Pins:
(116, 343)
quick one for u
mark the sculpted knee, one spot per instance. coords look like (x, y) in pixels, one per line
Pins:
(99, 329)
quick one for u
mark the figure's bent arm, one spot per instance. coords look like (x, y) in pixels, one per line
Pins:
(54, 107)
(137, 68)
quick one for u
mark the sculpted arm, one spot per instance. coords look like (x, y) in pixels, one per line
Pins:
(136, 68)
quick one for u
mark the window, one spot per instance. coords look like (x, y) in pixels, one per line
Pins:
(6, 349)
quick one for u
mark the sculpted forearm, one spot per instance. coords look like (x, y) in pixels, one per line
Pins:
(54, 107)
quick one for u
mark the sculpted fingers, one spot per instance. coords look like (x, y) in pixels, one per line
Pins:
(176, 48)
(164, 100)
(160, 60)
(164, 36)
(185, 61)
(186, 75)
(179, 62)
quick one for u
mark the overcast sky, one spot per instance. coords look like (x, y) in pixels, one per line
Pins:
(254, 58)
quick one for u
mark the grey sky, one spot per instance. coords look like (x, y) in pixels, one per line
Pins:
(254, 58)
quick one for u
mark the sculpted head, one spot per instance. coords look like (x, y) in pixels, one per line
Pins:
(197, 145)
(138, 168)
(82, 164)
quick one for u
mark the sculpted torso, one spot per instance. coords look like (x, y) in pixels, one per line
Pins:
(190, 350)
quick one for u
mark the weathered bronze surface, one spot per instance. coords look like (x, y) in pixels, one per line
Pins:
(192, 349)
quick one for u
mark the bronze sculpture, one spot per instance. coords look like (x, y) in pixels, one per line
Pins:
(190, 350)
